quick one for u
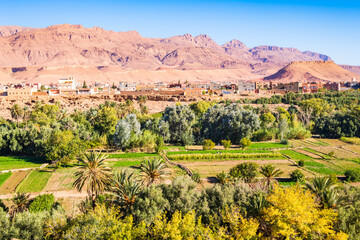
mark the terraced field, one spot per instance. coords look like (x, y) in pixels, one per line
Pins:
(8, 163)
(34, 182)
(12, 182)
(60, 180)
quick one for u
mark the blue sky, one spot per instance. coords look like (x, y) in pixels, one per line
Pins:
(330, 27)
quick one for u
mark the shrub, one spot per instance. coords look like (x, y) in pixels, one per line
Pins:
(301, 163)
(42, 203)
(208, 144)
(226, 143)
(351, 140)
(297, 176)
(285, 142)
(196, 177)
(159, 144)
(245, 142)
(331, 154)
(265, 134)
(246, 171)
(222, 177)
(353, 175)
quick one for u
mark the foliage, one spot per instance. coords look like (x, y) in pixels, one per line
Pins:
(337, 125)
(34, 182)
(301, 163)
(352, 140)
(245, 143)
(226, 144)
(92, 175)
(208, 145)
(152, 171)
(352, 175)
(223, 177)
(297, 176)
(230, 122)
(309, 220)
(4, 177)
(44, 202)
(324, 188)
(269, 171)
(246, 171)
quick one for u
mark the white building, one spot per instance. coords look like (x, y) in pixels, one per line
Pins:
(246, 86)
(67, 83)
(127, 86)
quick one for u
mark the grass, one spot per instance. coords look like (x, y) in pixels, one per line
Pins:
(4, 177)
(8, 163)
(217, 151)
(132, 155)
(316, 152)
(35, 182)
(313, 164)
(295, 155)
(14, 180)
(126, 163)
(351, 140)
(268, 145)
(323, 170)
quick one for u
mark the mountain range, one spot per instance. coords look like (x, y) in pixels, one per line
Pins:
(98, 55)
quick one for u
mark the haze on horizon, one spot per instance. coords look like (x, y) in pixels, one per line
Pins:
(328, 27)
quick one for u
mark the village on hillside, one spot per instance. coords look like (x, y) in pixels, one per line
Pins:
(70, 86)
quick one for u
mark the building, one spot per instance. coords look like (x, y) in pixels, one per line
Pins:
(246, 86)
(214, 86)
(127, 86)
(27, 91)
(311, 87)
(335, 86)
(288, 87)
(194, 91)
(67, 83)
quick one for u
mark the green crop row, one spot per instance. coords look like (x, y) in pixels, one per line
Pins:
(132, 155)
(217, 152)
(209, 156)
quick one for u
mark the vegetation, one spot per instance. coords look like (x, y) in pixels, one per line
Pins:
(208, 145)
(34, 182)
(245, 171)
(4, 177)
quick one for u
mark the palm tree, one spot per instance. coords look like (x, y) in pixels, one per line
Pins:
(93, 175)
(20, 201)
(152, 171)
(26, 115)
(125, 188)
(270, 172)
(324, 188)
(16, 112)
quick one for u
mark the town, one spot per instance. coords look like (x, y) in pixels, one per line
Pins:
(70, 86)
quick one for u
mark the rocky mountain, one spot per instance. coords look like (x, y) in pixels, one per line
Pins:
(87, 52)
(312, 71)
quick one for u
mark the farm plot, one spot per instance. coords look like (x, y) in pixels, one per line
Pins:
(308, 143)
(339, 152)
(268, 145)
(228, 156)
(12, 182)
(132, 155)
(295, 155)
(8, 163)
(34, 182)
(211, 169)
(217, 152)
(323, 167)
(334, 142)
(353, 148)
(4, 177)
(61, 180)
(308, 153)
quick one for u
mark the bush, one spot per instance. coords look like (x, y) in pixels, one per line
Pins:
(353, 175)
(301, 163)
(331, 154)
(42, 203)
(297, 176)
(285, 142)
(245, 142)
(226, 143)
(196, 177)
(264, 135)
(208, 144)
(246, 171)
(351, 140)
(159, 144)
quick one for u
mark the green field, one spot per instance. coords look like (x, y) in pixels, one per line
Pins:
(316, 152)
(4, 177)
(295, 155)
(8, 163)
(216, 152)
(126, 163)
(132, 155)
(268, 145)
(34, 182)
(233, 156)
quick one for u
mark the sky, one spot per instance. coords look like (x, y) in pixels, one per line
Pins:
(329, 27)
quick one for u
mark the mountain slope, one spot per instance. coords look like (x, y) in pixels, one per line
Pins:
(312, 71)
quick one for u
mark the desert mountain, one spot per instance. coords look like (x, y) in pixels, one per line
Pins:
(312, 71)
(42, 54)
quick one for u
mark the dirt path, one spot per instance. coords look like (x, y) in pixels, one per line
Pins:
(24, 169)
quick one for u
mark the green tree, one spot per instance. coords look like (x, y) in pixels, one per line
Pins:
(152, 171)
(270, 172)
(43, 202)
(297, 176)
(267, 119)
(245, 143)
(246, 171)
(93, 175)
(105, 120)
(16, 112)
(324, 188)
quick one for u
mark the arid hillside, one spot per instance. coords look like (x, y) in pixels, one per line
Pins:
(97, 55)
(312, 71)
